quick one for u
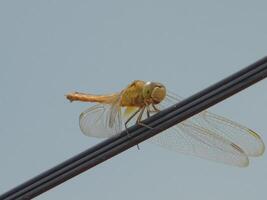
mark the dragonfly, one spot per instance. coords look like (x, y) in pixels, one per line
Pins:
(205, 135)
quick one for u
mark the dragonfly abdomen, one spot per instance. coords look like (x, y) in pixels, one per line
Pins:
(77, 96)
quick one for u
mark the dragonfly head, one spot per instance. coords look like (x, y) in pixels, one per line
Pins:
(154, 92)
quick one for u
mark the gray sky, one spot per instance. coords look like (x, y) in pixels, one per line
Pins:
(49, 48)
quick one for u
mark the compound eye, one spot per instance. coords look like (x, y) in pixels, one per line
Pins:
(158, 94)
(147, 92)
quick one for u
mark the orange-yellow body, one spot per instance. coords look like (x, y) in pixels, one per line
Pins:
(78, 96)
(141, 98)
(133, 95)
(137, 94)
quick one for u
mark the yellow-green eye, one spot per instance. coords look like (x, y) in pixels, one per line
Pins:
(155, 92)
(147, 91)
(158, 94)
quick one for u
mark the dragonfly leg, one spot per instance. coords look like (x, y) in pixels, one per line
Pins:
(140, 118)
(138, 121)
(129, 119)
(155, 108)
(148, 112)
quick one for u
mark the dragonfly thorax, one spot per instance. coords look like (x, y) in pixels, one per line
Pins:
(140, 94)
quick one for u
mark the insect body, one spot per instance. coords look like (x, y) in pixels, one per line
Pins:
(205, 135)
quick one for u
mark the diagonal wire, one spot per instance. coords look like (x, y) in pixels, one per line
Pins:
(121, 142)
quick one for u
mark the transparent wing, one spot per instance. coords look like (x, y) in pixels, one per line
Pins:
(242, 136)
(190, 139)
(101, 121)
(204, 135)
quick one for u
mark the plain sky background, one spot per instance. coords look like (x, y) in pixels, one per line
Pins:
(49, 48)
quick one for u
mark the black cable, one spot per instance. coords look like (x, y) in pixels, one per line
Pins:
(160, 121)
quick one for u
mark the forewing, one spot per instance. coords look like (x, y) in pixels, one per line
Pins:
(204, 135)
(101, 121)
(191, 139)
(242, 136)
